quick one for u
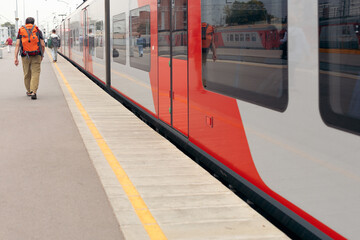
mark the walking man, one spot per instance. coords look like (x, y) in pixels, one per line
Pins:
(140, 43)
(31, 43)
(55, 42)
(9, 44)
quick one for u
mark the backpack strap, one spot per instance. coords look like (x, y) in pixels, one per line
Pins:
(39, 42)
(21, 44)
(29, 31)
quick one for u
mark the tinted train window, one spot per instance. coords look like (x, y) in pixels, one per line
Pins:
(339, 57)
(119, 38)
(81, 39)
(99, 39)
(164, 29)
(179, 30)
(91, 39)
(140, 38)
(254, 66)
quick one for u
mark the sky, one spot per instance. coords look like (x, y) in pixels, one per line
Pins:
(48, 10)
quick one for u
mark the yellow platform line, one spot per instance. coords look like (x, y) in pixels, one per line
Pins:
(148, 221)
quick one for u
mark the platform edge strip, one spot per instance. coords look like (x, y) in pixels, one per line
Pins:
(147, 219)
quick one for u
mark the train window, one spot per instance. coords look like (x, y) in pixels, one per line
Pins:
(119, 38)
(81, 39)
(179, 30)
(236, 37)
(91, 39)
(99, 39)
(163, 29)
(254, 68)
(253, 37)
(339, 62)
(140, 38)
(76, 43)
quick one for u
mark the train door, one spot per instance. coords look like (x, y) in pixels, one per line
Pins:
(69, 38)
(85, 38)
(61, 39)
(64, 32)
(173, 63)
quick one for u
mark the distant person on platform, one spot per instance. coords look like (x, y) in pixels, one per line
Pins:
(30, 43)
(55, 44)
(9, 44)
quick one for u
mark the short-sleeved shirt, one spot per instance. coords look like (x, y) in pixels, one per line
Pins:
(9, 41)
(40, 36)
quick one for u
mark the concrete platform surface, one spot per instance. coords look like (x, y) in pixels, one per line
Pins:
(49, 188)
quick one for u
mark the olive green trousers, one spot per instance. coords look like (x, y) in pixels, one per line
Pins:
(31, 67)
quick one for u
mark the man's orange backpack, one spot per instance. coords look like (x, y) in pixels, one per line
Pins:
(30, 40)
(207, 33)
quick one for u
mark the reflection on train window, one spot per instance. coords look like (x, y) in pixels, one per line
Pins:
(119, 38)
(179, 30)
(140, 38)
(99, 39)
(248, 57)
(76, 40)
(91, 39)
(163, 29)
(71, 36)
(339, 56)
(81, 39)
(66, 35)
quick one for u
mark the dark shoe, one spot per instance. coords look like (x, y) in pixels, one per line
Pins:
(33, 96)
(28, 94)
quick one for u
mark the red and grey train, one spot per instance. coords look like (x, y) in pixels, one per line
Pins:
(271, 102)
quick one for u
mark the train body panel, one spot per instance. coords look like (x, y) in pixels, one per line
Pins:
(275, 99)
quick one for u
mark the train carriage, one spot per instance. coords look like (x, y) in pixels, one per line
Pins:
(271, 102)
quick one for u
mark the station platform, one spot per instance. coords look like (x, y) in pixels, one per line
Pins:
(76, 164)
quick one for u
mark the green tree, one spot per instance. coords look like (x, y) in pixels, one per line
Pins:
(11, 27)
(245, 12)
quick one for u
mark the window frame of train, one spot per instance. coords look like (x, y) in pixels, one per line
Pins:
(339, 76)
(119, 56)
(258, 80)
(145, 60)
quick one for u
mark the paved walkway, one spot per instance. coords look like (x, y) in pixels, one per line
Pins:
(49, 188)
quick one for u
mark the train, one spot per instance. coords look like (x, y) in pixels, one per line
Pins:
(266, 96)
